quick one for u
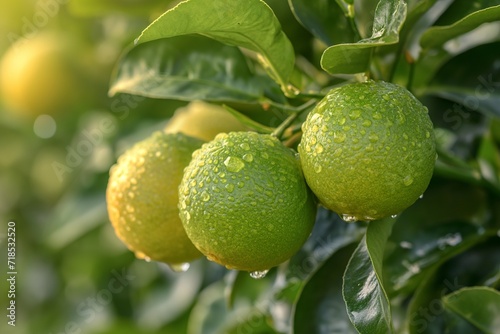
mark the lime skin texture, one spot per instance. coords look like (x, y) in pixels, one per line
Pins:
(244, 202)
(368, 150)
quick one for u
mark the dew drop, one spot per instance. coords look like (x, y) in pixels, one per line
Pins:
(241, 184)
(319, 149)
(205, 197)
(377, 115)
(373, 137)
(130, 208)
(427, 134)
(308, 148)
(258, 274)
(394, 216)
(408, 180)
(406, 245)
(421, 196)
(315, 128)
(234, 164)
(313, 140)
(386, 97)
(337, 152)
(367, 123)
(317, 167)
(229, 187)
(248, 157)
(245, 146)
(342, 121)
(266, 156)
(348, 218)
(339, 137)
(355, 114)
(180, 268)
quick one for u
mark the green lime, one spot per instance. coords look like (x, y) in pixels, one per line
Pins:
(142, 198)
(368, 150)
(244, 202)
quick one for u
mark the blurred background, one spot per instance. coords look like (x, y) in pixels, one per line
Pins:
(59, 135)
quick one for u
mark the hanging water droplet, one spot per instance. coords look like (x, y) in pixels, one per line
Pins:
(348, 218)
(234, 164)
(394, 216)
(421, 196)
(258, 274)
(180, 268)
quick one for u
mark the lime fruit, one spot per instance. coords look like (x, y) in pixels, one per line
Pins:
(244, 202)
(142, 198)
(40, 76)
(368, 150)
(203, 120)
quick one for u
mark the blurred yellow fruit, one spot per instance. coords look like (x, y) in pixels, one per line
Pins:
(39, 76)
(142, 198)
(203, 120)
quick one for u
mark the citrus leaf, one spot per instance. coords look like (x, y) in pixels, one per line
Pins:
(188, 68)
(478, 305)
(353, 58)
(250, 24)
(248, 122)
(367, 303)
(320, 308)
(324, 19)
(437, 36)
(105, 7)
(420, 252)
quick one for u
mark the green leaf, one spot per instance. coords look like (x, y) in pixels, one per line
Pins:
(419, 252)
(470, 87)
(437, 36)
(324, 19)
(367, 303)
(248, 122)
(250, 24)
(188, 68)
(320, 308)
(478, 305)
(355, 57)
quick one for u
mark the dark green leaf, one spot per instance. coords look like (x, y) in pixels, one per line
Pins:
(478, 305)
(457, 10)
(250, 24)
(324, 19)
(473, 87)
(423, 250)
(355, 57)
(437, 36)
(321, 308)
(367, 303)
(188, 68)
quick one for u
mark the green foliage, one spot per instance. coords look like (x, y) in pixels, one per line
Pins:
(433, 269)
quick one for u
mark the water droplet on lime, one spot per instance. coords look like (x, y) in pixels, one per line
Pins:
(348, 218)
(234, 164)
(407, 181)
(229, 187)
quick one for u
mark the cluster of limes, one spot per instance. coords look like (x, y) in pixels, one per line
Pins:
(246, 201)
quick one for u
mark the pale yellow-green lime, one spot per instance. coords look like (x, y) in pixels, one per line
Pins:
(203, 120)
(40, 76)
(368, 150)
(244, 202)
(142, 198)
